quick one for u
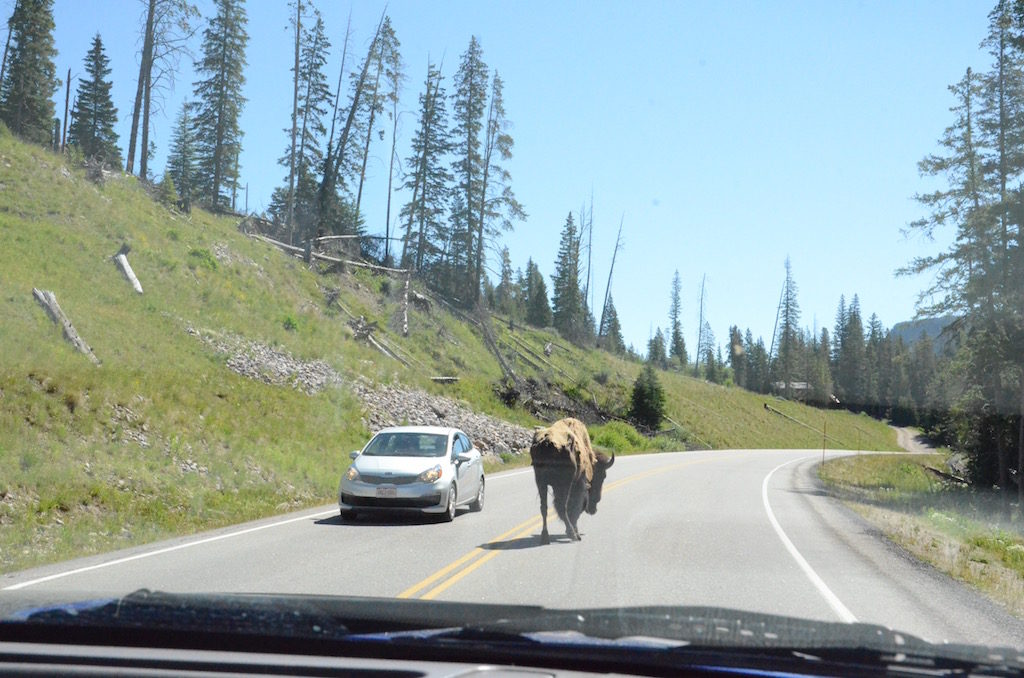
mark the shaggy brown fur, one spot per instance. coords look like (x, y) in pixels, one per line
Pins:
(565, 435)
(564, 461)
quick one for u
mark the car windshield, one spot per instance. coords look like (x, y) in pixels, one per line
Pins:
(387, 444)
(709, 303)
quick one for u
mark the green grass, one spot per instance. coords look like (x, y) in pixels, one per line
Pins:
(164, 439)
(967, 533)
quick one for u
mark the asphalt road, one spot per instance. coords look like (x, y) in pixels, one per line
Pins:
(748, 529)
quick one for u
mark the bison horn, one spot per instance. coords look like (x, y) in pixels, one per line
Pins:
(610, 461)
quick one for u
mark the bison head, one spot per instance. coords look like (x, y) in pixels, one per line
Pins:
(600, 471)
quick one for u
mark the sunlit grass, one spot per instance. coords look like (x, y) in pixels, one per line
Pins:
(969, 534)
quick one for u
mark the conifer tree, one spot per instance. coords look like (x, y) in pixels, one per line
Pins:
(647, 404)
(181, 163)
(737, 357)
(788, 355)
(503, 291)
(219, 103)
(497, 206)
(677, 346)
(30, 78)
(538, 309)
(567, 308)
(656, 354)
(611, 332)
(427, 177)
(469, 101)
(311, 107)
(92, 129)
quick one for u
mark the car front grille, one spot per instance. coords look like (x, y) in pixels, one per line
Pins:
(387, 480)
(391, 502)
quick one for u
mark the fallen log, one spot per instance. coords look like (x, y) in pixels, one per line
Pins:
(122, 262)
(947, 476)
(48, 300)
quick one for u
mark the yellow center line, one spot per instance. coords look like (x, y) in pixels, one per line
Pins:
(409, 592)
(523, 529)
(432, 593)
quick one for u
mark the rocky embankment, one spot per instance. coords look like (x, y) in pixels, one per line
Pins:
(384, 404)
(391, 405)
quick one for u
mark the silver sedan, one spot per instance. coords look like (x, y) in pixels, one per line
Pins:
(429, 469)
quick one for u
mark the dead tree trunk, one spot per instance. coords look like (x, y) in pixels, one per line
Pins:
(122, 262)
(145, 66)
(48, 301)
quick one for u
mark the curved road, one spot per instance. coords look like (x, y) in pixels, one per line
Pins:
(748, 529)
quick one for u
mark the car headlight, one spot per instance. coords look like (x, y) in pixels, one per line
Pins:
(351, 473)
(431, 474)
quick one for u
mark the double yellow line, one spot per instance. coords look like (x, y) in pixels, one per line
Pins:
(480, 555)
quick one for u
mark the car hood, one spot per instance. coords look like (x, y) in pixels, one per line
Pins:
(396, 465)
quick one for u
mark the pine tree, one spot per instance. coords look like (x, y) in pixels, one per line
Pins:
(737, 357)
(656, 354)
(788, 354)
(498, 206)
(611, 332)
(647, 404)
(567, 308)
(181, 163)
(92, 129)
(428, 179)
(26, 104)
(469, 102)
(219, 103)
(820, 375)
(385, 59)
(503, 291)
(677, 347)
(849, 375)
(300, 211)
(538, 309)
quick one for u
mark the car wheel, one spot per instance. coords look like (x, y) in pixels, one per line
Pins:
(348, 515)
(449, 511)
(478, 503)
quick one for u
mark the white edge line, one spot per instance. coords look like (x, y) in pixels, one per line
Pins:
(833, 600)
(176, 547)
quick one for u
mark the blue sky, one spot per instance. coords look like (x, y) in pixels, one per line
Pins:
(727, 135)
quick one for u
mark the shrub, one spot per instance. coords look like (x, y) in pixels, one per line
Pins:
(648, 401)
(202, 257)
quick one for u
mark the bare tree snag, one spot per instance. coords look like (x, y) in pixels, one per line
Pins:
(405, 308)
(48, 301)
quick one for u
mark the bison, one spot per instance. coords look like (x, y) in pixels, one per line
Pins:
(563, 459)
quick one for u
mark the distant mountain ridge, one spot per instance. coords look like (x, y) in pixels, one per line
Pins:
(911, 331)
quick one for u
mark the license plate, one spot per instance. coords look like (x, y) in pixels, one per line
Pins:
(387, 492)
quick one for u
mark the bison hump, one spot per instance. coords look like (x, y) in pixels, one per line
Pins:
(565, 442)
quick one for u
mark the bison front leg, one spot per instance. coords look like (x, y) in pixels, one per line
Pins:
(542, 487)
(576, 502)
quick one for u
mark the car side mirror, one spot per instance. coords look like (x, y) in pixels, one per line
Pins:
(353, 454)
(463, 456)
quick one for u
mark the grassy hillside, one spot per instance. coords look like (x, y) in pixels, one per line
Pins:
(164, 438)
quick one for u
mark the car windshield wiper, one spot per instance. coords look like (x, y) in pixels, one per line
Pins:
(709, 637)
(656, 636)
